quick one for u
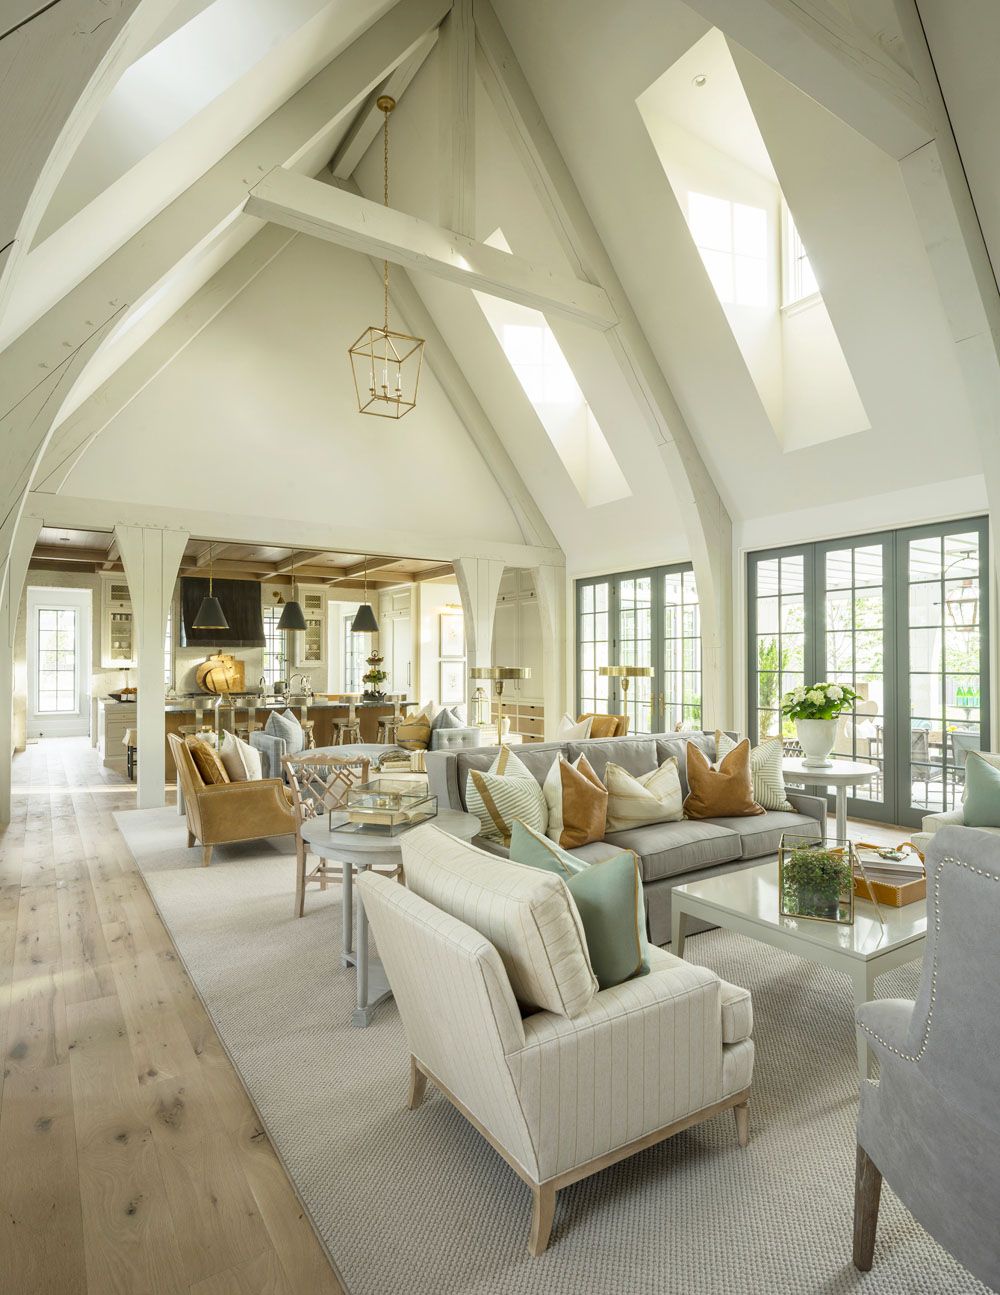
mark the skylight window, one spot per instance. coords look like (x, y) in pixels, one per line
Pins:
(550, 384)
(732, 240)
(797, 281)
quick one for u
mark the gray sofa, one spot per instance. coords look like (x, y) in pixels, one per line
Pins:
(669, 853)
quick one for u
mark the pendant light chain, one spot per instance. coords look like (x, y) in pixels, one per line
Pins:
(385, 196)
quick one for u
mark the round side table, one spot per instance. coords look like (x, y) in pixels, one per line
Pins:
(841, 775)
(357, 851)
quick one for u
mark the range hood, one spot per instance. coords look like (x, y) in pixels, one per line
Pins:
(240, 601)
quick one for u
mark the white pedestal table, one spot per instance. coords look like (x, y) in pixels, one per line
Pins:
(841, 775)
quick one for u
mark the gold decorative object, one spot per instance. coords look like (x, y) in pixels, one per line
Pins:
(625, 673)
(500, 673)
(386, 364)
(221, 673)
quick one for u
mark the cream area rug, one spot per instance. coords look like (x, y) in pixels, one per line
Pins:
(417, 1203)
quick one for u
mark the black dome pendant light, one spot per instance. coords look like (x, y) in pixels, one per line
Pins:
(291, 614)
(364, 619)
(210, 615)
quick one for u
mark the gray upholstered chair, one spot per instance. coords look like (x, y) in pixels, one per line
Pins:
(931, 1125)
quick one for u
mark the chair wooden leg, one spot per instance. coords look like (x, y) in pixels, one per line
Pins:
(191, 839)
(206, 855)
(742, 1116)
(541, 1218)
(418, 1085)
(300, 876)
(867, 1193)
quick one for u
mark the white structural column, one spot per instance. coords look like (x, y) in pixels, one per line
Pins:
(478, 586)
(550, 586)
(151, 557)
(10, 600)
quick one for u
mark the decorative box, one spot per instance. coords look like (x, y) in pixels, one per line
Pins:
(815, 878)
(892, 887)
(385, 807)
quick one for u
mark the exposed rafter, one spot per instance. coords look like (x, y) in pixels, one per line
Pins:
(457, 120)
(818, 49)
(344, 218)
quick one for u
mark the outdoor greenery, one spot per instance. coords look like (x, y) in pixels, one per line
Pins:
(818, 701)
(813, 878)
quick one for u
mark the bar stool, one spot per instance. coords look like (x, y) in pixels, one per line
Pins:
(387, 726)
(348, 731)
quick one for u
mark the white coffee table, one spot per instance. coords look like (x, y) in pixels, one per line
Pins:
(841, 775)
(357, 851)
(747, 902)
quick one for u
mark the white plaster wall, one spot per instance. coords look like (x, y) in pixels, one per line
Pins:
(258, 415)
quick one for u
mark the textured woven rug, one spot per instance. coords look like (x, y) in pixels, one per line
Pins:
(417, 1203)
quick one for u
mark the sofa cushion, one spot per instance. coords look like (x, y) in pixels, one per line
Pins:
(537, 758)
(577, 803)
(762, 834)
(574, 730)
(207, 761)
(414, 734)
(765, 770)
(242, 761)
(635, 754)
(725, 789)
(604, 725)
(677, 747)
(283, 724)
(653, 797)
(669, 849)
(504, 792)
(526, 914)
(446, 718)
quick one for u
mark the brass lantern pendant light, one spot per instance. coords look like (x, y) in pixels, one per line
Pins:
(291, 617)
(386, 364)
(364, 618)
(210, 615)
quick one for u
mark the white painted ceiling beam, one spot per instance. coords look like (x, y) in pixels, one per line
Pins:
(321, 211)
(73, 436)
(457, 120)
(821, 51)
(369, 120)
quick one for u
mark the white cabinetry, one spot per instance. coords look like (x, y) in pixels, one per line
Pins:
(517, 641)
(118, 630)
(310, 643)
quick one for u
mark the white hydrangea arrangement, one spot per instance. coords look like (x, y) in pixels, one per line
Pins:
(818, 701)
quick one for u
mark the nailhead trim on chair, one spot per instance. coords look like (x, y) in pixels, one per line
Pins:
(906, 1056)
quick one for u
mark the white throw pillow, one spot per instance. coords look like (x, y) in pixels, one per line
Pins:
(242, 760)
(765, 770)
(507, 790)
(572, 731)
(653, 797)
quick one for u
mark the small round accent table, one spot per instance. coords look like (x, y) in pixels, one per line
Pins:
(357, 851)
(841, 775)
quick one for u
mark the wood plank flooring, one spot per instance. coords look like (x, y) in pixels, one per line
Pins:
(131, 1159)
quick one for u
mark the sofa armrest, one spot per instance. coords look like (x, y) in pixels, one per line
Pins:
(243, 811)
(814, 807)
(271, 750)
(886, 1022)
(950, 818)
(737, 1013)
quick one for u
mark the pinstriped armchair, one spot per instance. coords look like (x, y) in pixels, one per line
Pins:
(559, 1098)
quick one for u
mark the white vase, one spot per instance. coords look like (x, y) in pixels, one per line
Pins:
(816, 738)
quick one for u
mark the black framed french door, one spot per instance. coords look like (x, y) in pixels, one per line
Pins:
(902, 616)
(649, 617)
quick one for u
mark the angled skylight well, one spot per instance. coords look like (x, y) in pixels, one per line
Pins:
(716, 160)
(549, 383)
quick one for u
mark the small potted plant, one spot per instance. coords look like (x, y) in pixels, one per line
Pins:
(374, 678)
(816, 879)
(815, 710)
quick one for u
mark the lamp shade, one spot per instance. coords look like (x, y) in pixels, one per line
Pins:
(364, 621)
(500, 672)
(210, 616)
(291, 617)
(626, 671)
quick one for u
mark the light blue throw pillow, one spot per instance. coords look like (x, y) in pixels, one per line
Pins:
(981, 807)
(446, 718)
(286, 726)
(608, 897)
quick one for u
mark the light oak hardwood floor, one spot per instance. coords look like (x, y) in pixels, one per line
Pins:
(131, 1158)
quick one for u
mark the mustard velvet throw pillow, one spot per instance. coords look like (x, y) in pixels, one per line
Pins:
(765, 770)
(608, 897)
(577, 802)
(653, 797)
(414, 734)
(506, 791)
(725, 792)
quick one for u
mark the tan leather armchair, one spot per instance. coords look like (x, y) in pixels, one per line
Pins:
(230, 811)
(620, 727)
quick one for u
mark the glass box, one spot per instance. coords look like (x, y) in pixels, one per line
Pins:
(384, 807)
(816, 878)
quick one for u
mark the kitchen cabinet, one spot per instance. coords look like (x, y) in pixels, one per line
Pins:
(118, 631)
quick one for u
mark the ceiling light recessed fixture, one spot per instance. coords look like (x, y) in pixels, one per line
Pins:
(699, 80)
(386, 364)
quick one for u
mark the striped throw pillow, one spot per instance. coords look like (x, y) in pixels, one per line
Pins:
(414, 734)
(765, 770)
(506, 791)
(653, 797)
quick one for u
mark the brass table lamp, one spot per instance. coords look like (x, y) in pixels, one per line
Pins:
(499, 674)
(625, 673)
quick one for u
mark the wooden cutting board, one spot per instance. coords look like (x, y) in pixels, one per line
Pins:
(221, 673)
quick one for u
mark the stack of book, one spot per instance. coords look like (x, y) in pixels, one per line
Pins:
(895, 881)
